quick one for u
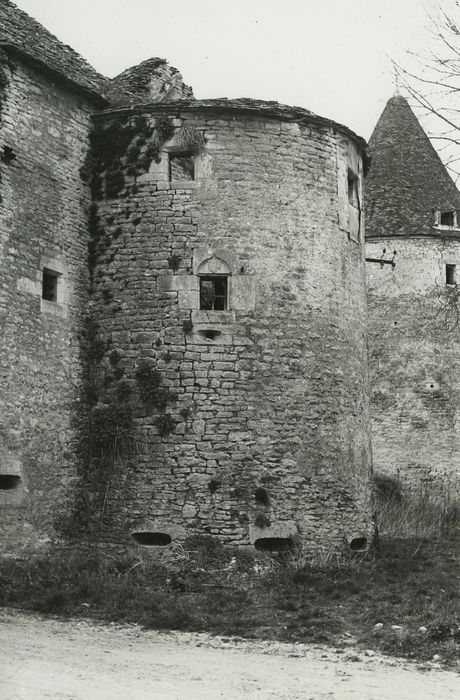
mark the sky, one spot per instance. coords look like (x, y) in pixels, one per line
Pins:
(330, 56)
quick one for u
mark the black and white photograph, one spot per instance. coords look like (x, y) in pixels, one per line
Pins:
(229, 350)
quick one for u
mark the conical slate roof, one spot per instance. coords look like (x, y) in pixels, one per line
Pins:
(407, 180)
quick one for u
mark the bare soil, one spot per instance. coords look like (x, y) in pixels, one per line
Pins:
(81, 660)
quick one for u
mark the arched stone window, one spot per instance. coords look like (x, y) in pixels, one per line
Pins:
(214, 276)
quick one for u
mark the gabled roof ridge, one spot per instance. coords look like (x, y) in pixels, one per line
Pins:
(21, 32)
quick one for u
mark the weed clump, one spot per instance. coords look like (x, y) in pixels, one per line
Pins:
(421, 512)
(201, 585)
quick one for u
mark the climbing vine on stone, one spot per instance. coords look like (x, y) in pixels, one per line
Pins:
(119, 148)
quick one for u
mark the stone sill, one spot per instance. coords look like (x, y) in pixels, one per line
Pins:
(213, 317)
(447, 229)
(171, 184)
(53, 308)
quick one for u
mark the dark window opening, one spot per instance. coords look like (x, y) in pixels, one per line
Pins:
(49, 285)
(8, 155)
(152, 539)
(273, 544)
(9, 482)
(353, 193)
(261, 496)
(447, 218)
(181, 166)
(358, 544)
(450, 274)
(213, 293)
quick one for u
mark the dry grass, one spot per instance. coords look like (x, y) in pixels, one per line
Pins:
(410, 581)
(425, 512)
(201, 586)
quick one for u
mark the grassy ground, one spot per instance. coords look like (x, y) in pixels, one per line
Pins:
(411, 583)
(402, 599)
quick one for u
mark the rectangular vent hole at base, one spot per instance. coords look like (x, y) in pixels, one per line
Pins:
(359, 544)
(152, 539)
(273, 544)
(9, 482)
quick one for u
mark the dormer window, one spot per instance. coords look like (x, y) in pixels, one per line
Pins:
(448, 218)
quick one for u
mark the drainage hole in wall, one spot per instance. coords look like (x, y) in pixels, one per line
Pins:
(358, 544)
(273, 544)
(209, 334)
(152, 539)
(9, 482)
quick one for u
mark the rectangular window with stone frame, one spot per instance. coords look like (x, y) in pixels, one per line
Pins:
(50, 285)
(181, 166)
(214, 293)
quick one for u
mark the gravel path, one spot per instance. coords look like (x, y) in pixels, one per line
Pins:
(80, 660)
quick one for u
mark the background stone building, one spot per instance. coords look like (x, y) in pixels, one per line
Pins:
(183, 321)
(413, 207)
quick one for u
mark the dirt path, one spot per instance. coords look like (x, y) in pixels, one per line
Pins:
(79, 660)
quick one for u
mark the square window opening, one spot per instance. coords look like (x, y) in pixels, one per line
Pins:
(451, 274)
(214, 293)
(448, 218)
(181, 166)
(353, 192)
(50, 285)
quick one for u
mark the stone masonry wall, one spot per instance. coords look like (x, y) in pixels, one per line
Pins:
(262, 430)
(43, 141)
(415, 362)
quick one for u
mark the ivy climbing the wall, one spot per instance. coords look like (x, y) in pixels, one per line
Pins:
(112, 396)
(123, 147)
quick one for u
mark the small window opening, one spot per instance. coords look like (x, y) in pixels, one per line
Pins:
(358, 544)
(273, 544)
(353, 193)
(181, 166)
(50, 285)
(448, 218)
(213, 293)
(9, 482)
(152, 539)
(261, 496)
(8, 155)
(450, 274)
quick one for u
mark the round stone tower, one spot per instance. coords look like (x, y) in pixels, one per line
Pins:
(228, 294)
(413, 208)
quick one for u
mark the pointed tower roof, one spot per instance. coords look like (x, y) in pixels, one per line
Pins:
(407, 180)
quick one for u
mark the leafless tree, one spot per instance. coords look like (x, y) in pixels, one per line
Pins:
(432, 80)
